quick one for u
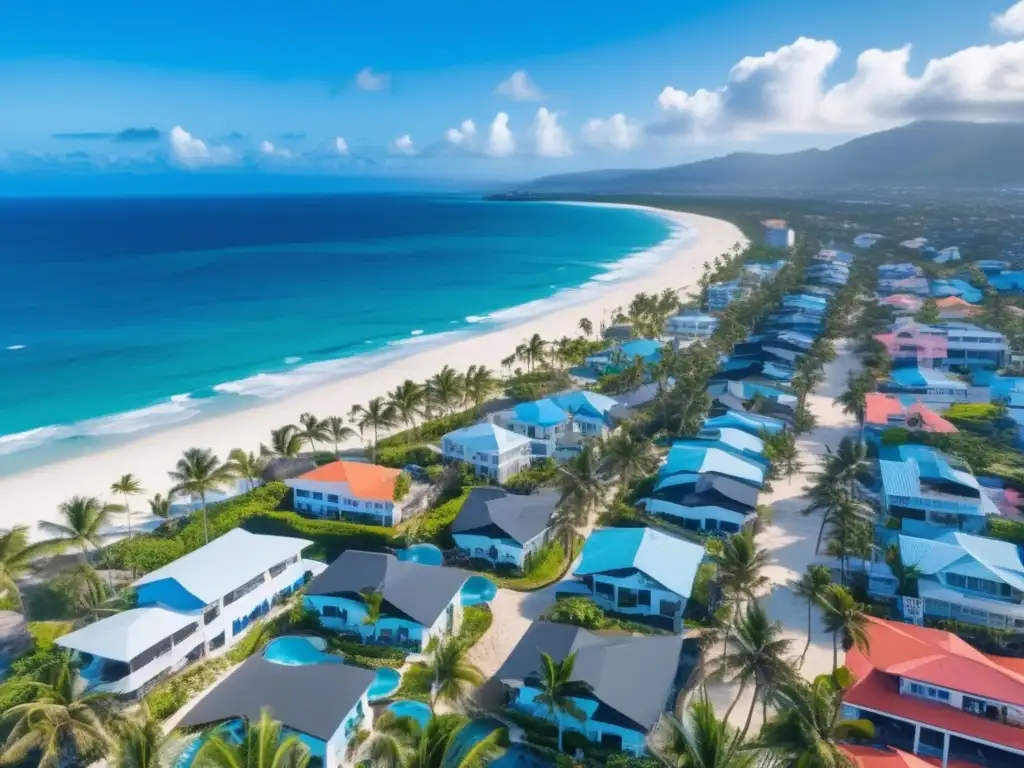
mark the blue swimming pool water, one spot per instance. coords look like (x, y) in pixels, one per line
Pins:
(297, 650)
(417, 710)
(516, 756)
(424, 554)
(478, 589)
(384, 684)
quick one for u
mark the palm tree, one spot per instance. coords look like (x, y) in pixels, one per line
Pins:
(453, 674)
(850, 532)
(160, 506)
(533, 350)
(480, 384)
(373, 600)
(83, 519)
(558, 690)
(82, 588)
(628, 455)
(758, 656)
(811, 586)
(581, 494)
(16, 555)
(704, 741)
(844, 614)
(249, 466)
(284, 441)
(197, 473)
(127, 485)
(139, 742)
(263, 745)
(313, 431)
(378, 414)
(338, 432)
(61, 724)
(810, 727)
(407, 400)
(826, 493)
(586, 326)
(401, 742)
(849, 459)
(740, 565)
(854, 400)
(444, 389)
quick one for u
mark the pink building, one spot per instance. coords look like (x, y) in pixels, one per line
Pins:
(910, 342)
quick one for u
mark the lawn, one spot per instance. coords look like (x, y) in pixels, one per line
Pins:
(550, 565)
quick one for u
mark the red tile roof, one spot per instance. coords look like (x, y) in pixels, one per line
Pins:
(869, 757)
(365, 481)
(930, 420)
(880, 407)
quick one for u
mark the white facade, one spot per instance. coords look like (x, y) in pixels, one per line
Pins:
(691, 326)
(346, 615)
(705, 518)
(497, 459)
(500, 551)
(636, 594)
(336, 500)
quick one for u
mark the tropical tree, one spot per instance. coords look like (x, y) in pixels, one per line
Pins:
(740, 565)
(586, 326)
(581, 494)
(285, 441)
(480, 384)
(197, 474)
(82, 588)
(854, 400)
(312, 430)
(374, 601)
(445, 389)
(16, 555)
(558, 690)
(628, 455)
(82, 520)
(453, 675)
(704, 741)
(850, 532)
(407, 399)
(140, 741)
(781, 449)
(377, 414)
(249, 466)
(825, 494)
(811, 586)
(849, 460)
(533, 350)
(844, 614)
(401, 742)
(159, 506)
(338, 432)
(62, 726)
(263, 745)
(906, 574)
(127, 486)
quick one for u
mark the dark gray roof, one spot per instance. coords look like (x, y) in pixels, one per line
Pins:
(631, 675)
(421, 592)
(741, 493)
(521, 517)
(311, 698)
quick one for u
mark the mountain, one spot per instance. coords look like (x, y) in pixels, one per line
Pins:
(922, 154)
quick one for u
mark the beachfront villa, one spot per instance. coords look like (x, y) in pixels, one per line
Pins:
(1010, 281)
(348, 490)
(960, 576)
(774, 400)
(759, 271)
(710, 503)
(420, 602)
(201, 603)
(882, 412)
(902, 303)
(899, 271)
(640, 571)
(556, 425)
(910, 343)
(971, 346)
(324, 704)
(721, 295)
(691, 325)
(503, 527)
(950, 253)
(928, 384)
(914, 286)
(866, 240)
(690, 459)
(615, 358)
(630, 678)
(493, 452)
(930, 693)
(751, 423)
(734, 441)
(778, 234)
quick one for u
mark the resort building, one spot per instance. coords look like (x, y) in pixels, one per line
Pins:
(882, 412)
(930, 693)
(492, 451)
(751, 423)
(759, 271)
(924, 486)
(960, 576)
(929, 384)
(955, 308)
(721, 295)
(348, 490)
(617, 357)
(971, 346)
(734, 441)
(592, 413)
(688, 460)
(902, 303)
(558, 424)
(420, 602)
(912, 344)
(708, 503)
(631, 680)
(1011, 282)
(324, 704)
(991, 266)
(201, 603)
(691, 325)
(640, 571)
(952, 253)
(899, 271)
(915, 286)
(503, 527)
(778, 234)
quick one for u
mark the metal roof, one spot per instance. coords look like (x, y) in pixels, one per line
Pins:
(125, 635)
(487, 438)
(749, 422)
(520, 517)
(687, 457)
(669, 561)
(736, 438)
(585, 402)
(542, 413)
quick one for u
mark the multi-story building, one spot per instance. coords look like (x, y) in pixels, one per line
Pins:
(350, 490)
(503, 527)
(971, 346)
(493, 452)
(777, 234)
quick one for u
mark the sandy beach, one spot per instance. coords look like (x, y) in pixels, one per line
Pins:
(35, 494)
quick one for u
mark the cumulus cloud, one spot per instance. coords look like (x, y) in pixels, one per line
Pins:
(267, 148)
(340, 145)
(615, 133)
(550, 139)
(403, 145)
(368, 80)
(500, 141)
(193, 152)
(463, 136)
(520, 87)
(1011, 21)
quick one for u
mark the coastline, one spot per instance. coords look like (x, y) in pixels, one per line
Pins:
(34, 493)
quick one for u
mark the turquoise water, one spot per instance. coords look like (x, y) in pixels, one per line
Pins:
(478, 589)
(425, 554)
(298, 651)
(158, 311)
(417, 710)
(516, 756)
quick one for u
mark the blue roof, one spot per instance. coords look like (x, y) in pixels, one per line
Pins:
(917, 462)
(931, 556)
(670, 561)
(541, 413)
(734, 438)
(1007, 281)
(924, 377)
(749, 422)
(645, 348)
(700, 459)
(956, 287)
(585, 402)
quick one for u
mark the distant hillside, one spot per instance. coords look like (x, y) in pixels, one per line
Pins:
(923, 154)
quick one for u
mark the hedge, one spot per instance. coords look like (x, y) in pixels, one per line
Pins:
(1007, 530)
(434, 525)
(330, 537)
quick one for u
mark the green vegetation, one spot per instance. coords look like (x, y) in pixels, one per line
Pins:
(476, 620)
(584, 612)
(544, 473)
(524, 387)
(435, 524)
(1007, 530)
(402, 485)
(545, 568)
(367, 655)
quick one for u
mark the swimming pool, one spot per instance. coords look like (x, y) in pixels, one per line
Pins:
(298, 650)
(516, 756)
(478, 589)
(424, 554)
(234, 731)
(417, 710)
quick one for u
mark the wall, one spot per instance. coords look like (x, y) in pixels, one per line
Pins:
(357, 611)
(508, 551)
(346, 501)
(637, 581)
(632, 741)
(702, 514)
(361, 716)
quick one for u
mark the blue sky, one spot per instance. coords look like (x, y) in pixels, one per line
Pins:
(271, 87)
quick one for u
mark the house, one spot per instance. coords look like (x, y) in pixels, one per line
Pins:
(777, 234)
(592, 412)
(928, 383)
(956, 287)
(201, 603)
(972, 346)
(324, 704)
(955, 308)
(915, 244)
(930, 693)
(735, 441)
(630, 680)
(705, 503)
(913, 343)
(548, 426)
(866, 240)
(828, 274)
(349, 490)
(617, 357)
(991, 266)
(1009, 281)
(759, 271)
(504, 527)
(749, 390)
(690, 459)
(751, 423)
(924, 486)
(832, 256)
(882, 412)
(971, 579)
(899, 271)
(951, 253)
(883, 757)
(721, 295)
(420, 602)
(902, 303)
(691, 325)
(492, 451)
(915, 286)
(806, 302)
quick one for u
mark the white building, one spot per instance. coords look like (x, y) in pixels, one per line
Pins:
(492, 451)
(201, 603)
(691, 325)
(504, 527)
(777, 234)
(350, 490)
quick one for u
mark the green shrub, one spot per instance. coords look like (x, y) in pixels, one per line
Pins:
(533, 477)
(893, 523)
(171, 695)
(398, 456)
(17, 690)
(46, 632)
(476, 620)
(435, 524)
(578, 611)
(416, 683)
(366, 655)
(429, 431)
(143, 554)
(402, 485)
(1007, 530)
(895, 436)
(330, 537)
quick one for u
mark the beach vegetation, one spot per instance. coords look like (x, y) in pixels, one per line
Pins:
(480, 385)
(408, 400)
(531, 351)
(704, 740)
(197, 474)
(285, 442)
(376, 415)
(16, 556)
(127, 486)
(144, 553)
(247, 466)
(140, 741)
(584, 612)
(627, 455)
(453, 676)
(526, 387)
(586, 326)
(581, 495)
(543, 473)
(540, 569)
(401, 742)
(403, 483)
(445, 391)
(811, 586)
(929, 312)
(312, 430)
(338, 432)
(435, 524)
(82, 523)
(159, 506)
(846, 617)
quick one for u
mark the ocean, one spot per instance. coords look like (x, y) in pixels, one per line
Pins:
(128, 314)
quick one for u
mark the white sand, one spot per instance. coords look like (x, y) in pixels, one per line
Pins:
(34, 495)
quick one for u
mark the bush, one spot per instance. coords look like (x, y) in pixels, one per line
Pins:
(893, 523)
(403, 483)
(476, 620)
(429, 431)
(171, 695)
(533, 477)
(143, 554)
(17, 690)
(578, 611)
(434, 525)
(366, 655)
(398, 456)
(416, 683)
(45, 632)
(1007, 530)
(330, 537)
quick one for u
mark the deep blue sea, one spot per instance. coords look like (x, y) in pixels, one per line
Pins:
(125, 314)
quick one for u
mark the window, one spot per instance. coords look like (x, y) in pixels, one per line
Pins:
(278, 569)
(300, 494)
(332, 498)
(331, 611)
(929, 692)
(627, 597)
(603, 588)
(184, 632)
(211, 614)
(317, 496)
(644, 597)
(243, 590)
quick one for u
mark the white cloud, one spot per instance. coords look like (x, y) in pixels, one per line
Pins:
(1011, 21)
(615, 133)
(463, 135)
(520, 87)
(500, 141)
(403, 145)
(269, 149)
(193, 152)
(549, 137)
(368, 80)
(340, 145)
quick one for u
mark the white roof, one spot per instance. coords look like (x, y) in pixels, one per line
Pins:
(487, 438)
(124, 636)
(226, 563)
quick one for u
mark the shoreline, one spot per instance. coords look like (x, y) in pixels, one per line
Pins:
(34, 493)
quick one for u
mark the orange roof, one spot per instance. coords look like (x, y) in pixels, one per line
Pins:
(930, 419)
(879, 407)
(952, 301)
(774, 223)
(365, 481)
(869, 757)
